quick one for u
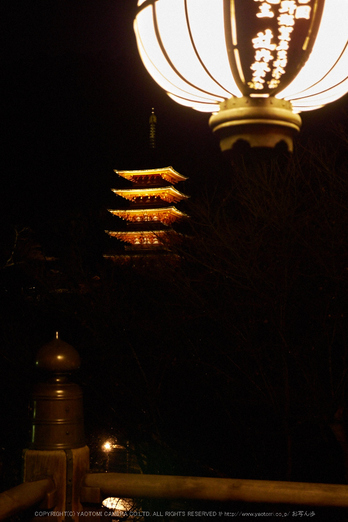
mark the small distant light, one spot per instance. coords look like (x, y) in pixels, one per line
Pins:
(111, 444)
(107, 446)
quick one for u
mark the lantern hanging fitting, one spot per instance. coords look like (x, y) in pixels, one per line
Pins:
(254, 64)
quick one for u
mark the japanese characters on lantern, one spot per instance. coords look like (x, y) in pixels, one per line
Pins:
(271, 50)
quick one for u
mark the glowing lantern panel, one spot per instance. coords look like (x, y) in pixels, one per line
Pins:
(205, 53)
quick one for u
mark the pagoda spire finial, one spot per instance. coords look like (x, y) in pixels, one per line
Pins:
(152, 122)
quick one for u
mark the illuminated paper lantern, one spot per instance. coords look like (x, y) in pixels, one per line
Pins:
(254, 64)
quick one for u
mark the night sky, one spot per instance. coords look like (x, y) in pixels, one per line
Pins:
(76, 101)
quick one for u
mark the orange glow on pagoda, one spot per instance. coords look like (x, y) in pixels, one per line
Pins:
(150, 206)
(168, 194)
(152, 175)
(143, 237)
(167, 215)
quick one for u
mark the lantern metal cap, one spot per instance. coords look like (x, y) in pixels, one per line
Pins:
(260, 121)
(57, 356)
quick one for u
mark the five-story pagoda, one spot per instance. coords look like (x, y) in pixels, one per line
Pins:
(150, 213)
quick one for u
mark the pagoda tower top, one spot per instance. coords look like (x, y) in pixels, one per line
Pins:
(152, 123)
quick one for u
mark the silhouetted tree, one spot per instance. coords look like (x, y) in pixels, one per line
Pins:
(268, 269)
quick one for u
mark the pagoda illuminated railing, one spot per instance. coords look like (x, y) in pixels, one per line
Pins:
(167, 215)
(144, 237)
(167, 194)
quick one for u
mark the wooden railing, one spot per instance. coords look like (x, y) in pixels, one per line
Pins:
(97, 486)
(56, 464)
(22, 497)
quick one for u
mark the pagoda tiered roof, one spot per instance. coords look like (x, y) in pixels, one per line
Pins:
(166, 215)
(150, 212)
(143, 238)
(168, 194)
(150, 258)
(151, 175)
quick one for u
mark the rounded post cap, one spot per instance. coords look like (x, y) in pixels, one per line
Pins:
(57, 356)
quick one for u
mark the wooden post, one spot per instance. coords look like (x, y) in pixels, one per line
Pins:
(57, 448)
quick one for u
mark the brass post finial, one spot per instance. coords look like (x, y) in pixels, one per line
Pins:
(57, 413)
(57, 356)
